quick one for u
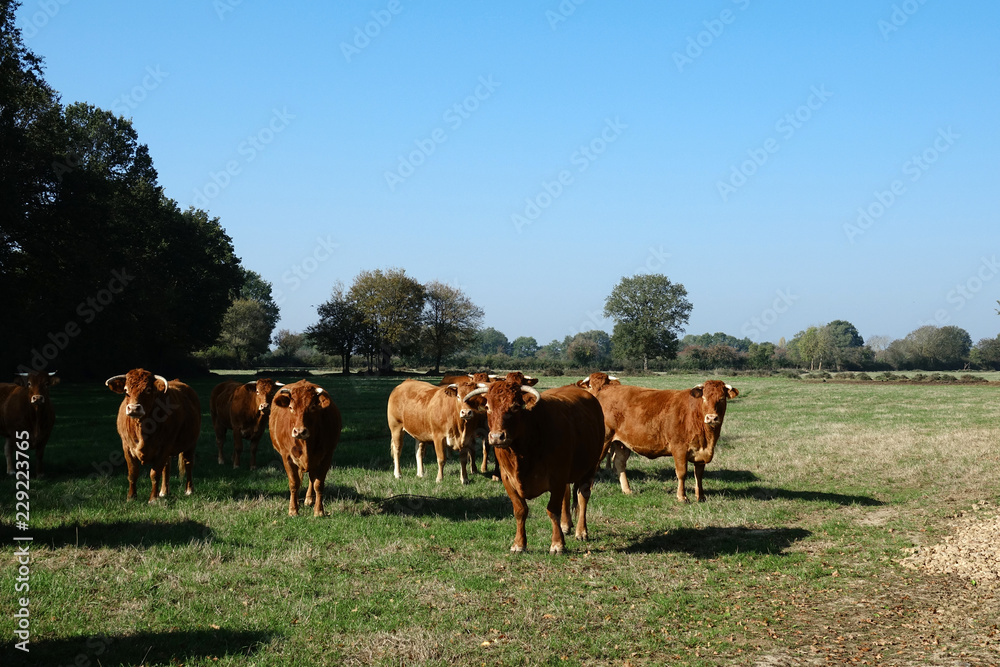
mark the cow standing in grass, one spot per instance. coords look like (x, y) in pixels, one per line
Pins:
(545, 443)
(156, 420)
(243, 407)
(25, 407)
(305, 427)
(685, 424)
(432, 414)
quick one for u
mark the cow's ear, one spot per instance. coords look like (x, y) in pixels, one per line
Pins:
(613, 380)
(160, 383)
(697, 391)
(323, 397)
(732, 392)
(116, 384)
(282, 399)
(21, 380)
(530, 399)
(531, 382)
(451, 390)
(584, 383)
(53, 380)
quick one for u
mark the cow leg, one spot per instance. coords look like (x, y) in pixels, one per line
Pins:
(133, 473)
(442, 455)
(420, 459)
(566, 520)
(8, 450)
(699, 492)
(681, 466)
(520, 517)
(253, 452)
(306, 477)
(468, 461)
(165, 480)
(482, 468)
(316, 489)
(620, 454)
(185, 462)
(557, 500)
(220, 441)
(582, 490)
(40, 453)
(294, 480)
(237, 448)
(396, 447)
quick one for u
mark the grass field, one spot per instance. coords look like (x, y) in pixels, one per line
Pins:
(816, 492)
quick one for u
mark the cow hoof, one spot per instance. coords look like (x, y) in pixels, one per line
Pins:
(188, 492)
(253, 467)
(683, 500)
(582, 537)
(293, 512)
(555, 549)
(222, 461)
(309, 502)
(516, 549)
(397, 475)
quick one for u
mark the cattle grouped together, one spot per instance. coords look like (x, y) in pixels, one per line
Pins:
(544, 442)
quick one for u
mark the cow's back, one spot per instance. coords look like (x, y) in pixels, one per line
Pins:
(412, 404)
(649, 420)
(10, 410)
(221, 399)
(570, 428)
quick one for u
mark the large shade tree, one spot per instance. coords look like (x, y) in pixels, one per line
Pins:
(649, 313)
(391, 304)
(450, 319)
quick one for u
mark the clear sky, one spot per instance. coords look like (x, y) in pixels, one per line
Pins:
(790, 163)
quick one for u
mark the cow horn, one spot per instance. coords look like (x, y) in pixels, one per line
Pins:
(475, 392)
(279, 384)
(700, 386)
(320, 390)
(166, 385)
(531, 390)
(51, 373)
(612, 377)
(24, 375)
(107, 383)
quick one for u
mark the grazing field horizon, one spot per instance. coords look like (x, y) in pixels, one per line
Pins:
(817, 492)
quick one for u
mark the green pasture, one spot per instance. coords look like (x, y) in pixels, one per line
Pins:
(817, 491)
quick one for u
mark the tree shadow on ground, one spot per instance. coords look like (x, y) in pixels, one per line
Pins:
(144, 648)
(113, 534)
(714, 541)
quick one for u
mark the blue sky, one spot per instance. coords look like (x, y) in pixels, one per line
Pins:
(788, 163)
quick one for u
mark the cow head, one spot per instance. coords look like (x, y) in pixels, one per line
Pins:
(521, 379)
(505, 403)
(713, 395)
(596, 382)
(38, 384)
(264, 388)
(467, 410)
(141, 389)
(301, 400)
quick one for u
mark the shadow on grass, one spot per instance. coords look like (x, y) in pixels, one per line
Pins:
(147, 648)
(497, 507)
(768, 493)
(114, 535)
(713, 542)
(667, 474)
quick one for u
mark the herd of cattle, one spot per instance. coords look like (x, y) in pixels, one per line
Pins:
(551, 441)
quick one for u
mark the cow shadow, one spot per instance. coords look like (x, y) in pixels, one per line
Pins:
(771, 493)
(116, 534)
(455, 509)
(149, 648)
(712, 542)
(668, 474)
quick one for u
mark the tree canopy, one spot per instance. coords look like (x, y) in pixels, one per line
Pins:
(649, 312)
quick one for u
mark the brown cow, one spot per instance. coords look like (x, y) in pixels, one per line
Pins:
(243, 407)
(432, 414)
(545, 442)
(482, 379)
(156, 420)
(682, 423)
(25, 409)
(305, 427)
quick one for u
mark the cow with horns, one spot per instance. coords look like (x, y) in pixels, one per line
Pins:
(157, 419)
(685, 424)
(243, 407)
(26, 413)
(544, 443)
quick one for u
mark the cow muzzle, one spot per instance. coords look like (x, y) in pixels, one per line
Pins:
(498, 438)
(713, 419)
(135, 410)
(37, 399)
(300, 433)
(264, 407)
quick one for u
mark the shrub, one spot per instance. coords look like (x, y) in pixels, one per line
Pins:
(972, 378)
(845, 376)
(919, 377)
(885, 376)
(790, 374)
(863, 376)
(553, 371)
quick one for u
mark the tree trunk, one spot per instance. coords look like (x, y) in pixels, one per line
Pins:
(645, 363)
